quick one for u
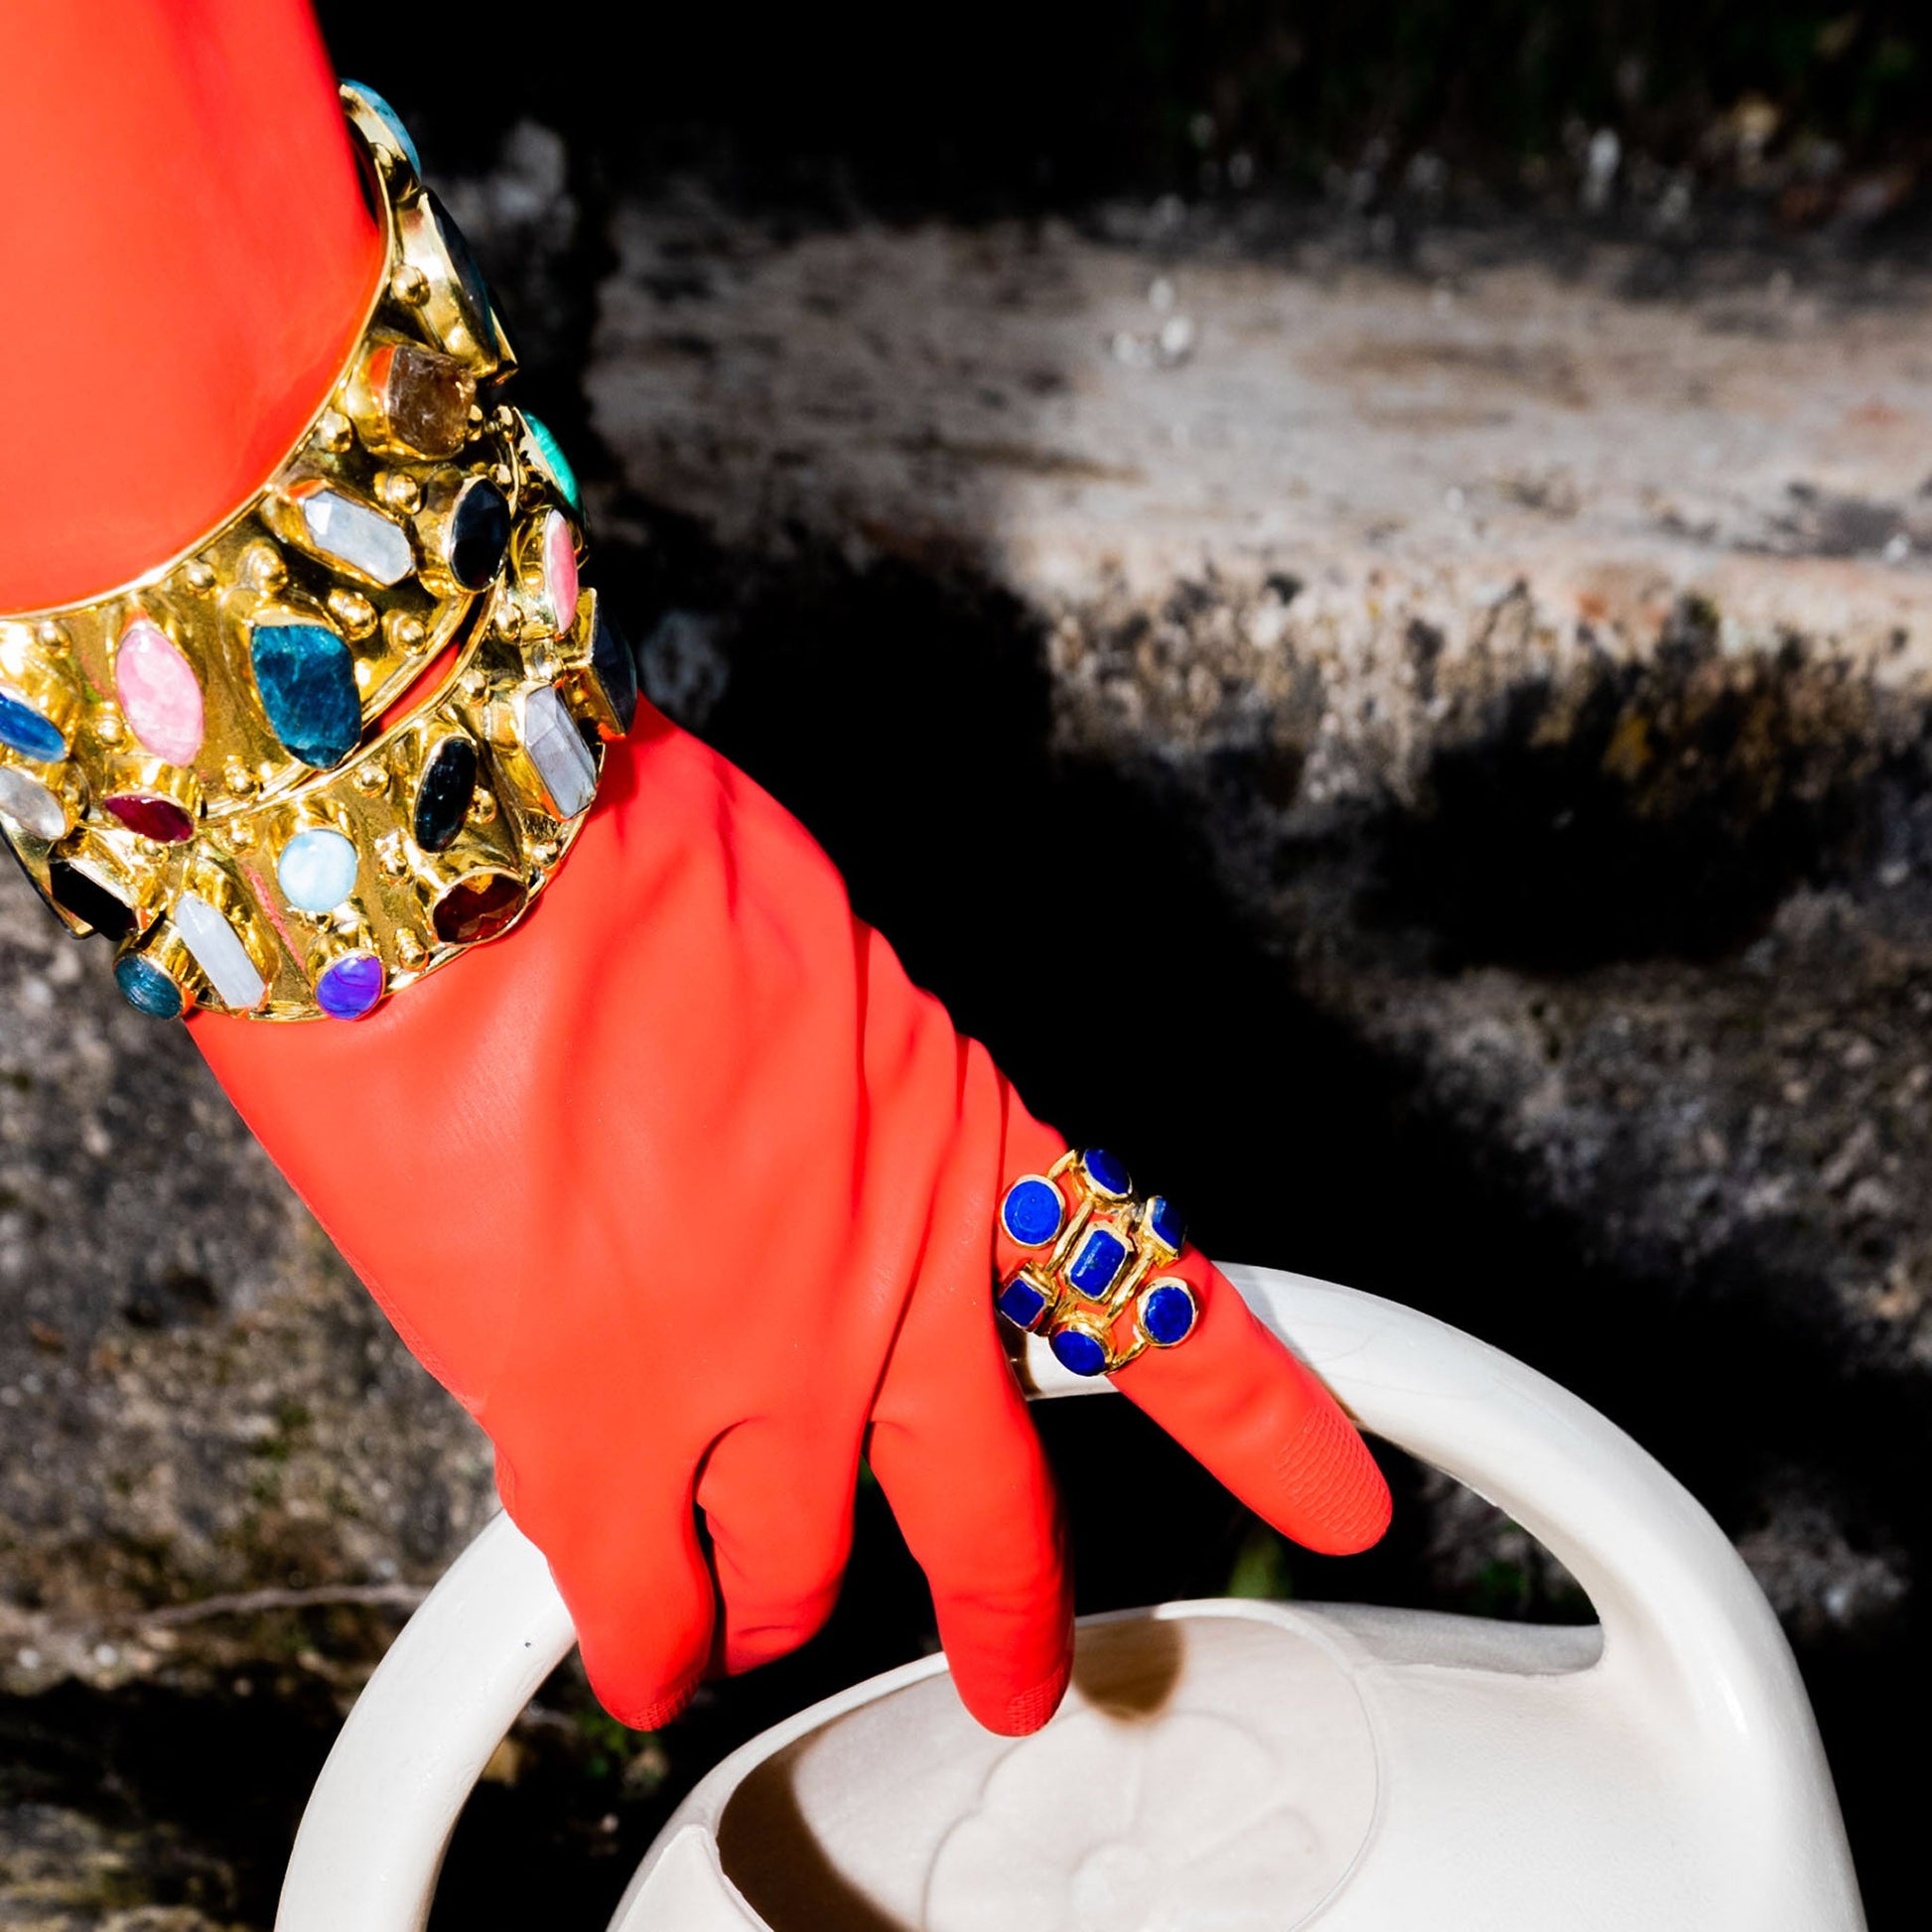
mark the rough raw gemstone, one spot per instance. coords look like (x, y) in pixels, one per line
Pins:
(31, 805)
(1022, 1303)
(219, 953)
(390, 119)
(426, 398)
(146, 988)
(27, 732)
(1097, 1261)
(1106, 1171)
(443, 798)
(1032, 1211)
(560, 568)
(160, 695)
(557, 465)
(615, 667)
(355, 535)
(160, 819)
(89, 902)
(1167, 1314)
(478, 908)
(479, 534)
(562, 758)
(1082, 1354)
(307, 681)
(317, 870)
(1163, 1223)
(350, 987)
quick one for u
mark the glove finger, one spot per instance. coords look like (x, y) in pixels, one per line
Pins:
(778, 1506)
(633, 1579)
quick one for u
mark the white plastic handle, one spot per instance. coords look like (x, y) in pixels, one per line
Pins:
(1678, 1607)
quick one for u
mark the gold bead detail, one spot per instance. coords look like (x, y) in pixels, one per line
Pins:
(353, 611)
(406, 631)
(198, 576)
(410, 951)
(400, 491)
(473, 682)
(262, 567)
(409, 285)
(239, 779)
(334, 431)
(482, 807)
(108, 727)
(370, 778)
(241, 835)
(52, 636)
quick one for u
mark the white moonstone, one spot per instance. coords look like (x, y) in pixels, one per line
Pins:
(219, 952)
(356, 535)
(316, 870)
(30, 804)
(562, 758)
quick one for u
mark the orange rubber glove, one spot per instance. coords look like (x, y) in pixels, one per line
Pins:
(682, 1187)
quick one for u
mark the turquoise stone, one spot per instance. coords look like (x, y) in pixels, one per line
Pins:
(390, 119)
(307, 680)
(146, 988)
(554, 461)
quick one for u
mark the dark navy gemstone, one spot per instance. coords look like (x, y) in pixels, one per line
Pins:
(89, 902)
(307, 681)
(443, 796)
(1106, 1171)
(479, 534)
(27, 733)
(1163, 1223)
(464, 262)
(616, 668)
(1167, 1314)
(350, 987)
(1097, 1261)
(1022, 1303)
(1075, 1349)
(146, 988)
(1031, 1210)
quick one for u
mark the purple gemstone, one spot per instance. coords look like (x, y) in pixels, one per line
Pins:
(350, 987)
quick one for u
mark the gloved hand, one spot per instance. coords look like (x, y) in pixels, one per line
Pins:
(681, 1186)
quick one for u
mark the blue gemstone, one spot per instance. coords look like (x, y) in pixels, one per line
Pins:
(616, 668)
(1106, 1171)
(1097, 1263)
(444, 798)
(1075, 1349)
(479, 534)
(1167, 1314)
(390, 119)
(307, 681)
(1163, 1223)
(554, 460)
(317, 870)
(146, 988)
(27, 733)
(350, 987)
(1031, 1210)
(1022, 1303)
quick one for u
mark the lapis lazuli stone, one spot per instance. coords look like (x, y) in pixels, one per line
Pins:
(1106, 1171)
(1022, 1303)
(390, 119)
(616, 668)
(146, 988)
(554, 460)
(80, 893)
(307, 680)
(1167, 1314)
(1163, 1223)
(479, 534)
(1097, 1263)
(443, 798)
(1032, 1211)
(27, 733)
(350, 987)
(1082, 1354)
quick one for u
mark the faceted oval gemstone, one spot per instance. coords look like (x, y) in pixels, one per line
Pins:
(1167, 1313)
(317, 870)
(479, 534)
(82, 894)
(146, 988)
(390, 119)
(1097, 1261)
(307, 680)
(556, 465)
(1164, 1224)
(350, 987)
(615, 667)
(1032, 1211)
(1082, 1354)
(27, 732)
(151, 815)
(358, 536)
(219, 952)
(562, 758)
(425, 398)
(160, 695)
(443, 798)
(1022, 1302)
(560, 568)
(1106, 1171)
(478, 908)
(31, 805)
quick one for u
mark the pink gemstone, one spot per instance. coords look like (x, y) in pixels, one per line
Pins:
(152, 817)
(560, 569)
(158, 692)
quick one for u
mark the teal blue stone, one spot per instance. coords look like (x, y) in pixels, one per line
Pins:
(1075, 1349)
(554, 460)
(307, 680)
(146, 988)
(1022, 1303)
(1167, 1313)
(27, 733)
(390, 119)
(1097, 1263)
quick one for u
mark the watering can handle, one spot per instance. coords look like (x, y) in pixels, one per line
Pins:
(1680, 1611)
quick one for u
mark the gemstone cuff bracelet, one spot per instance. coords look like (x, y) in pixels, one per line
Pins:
(354, 729)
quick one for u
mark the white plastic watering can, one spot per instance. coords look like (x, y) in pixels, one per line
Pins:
(1217, 1765)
